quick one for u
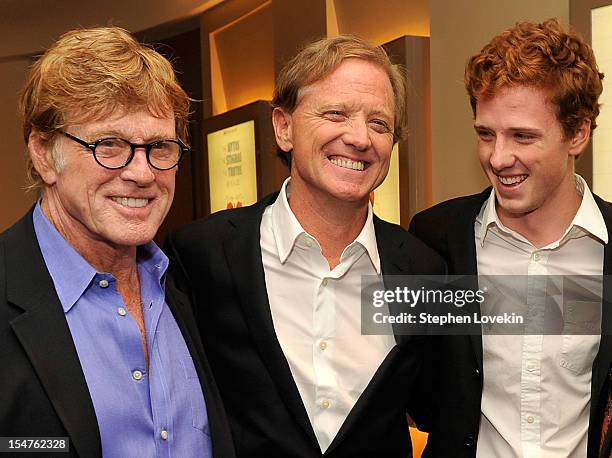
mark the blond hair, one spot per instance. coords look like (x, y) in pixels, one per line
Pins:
(320, 58)
(87, 75)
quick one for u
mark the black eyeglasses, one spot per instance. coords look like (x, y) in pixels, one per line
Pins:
(115, 153)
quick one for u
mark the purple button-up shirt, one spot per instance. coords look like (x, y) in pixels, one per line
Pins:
(154, 412)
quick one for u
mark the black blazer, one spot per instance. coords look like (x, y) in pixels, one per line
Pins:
(43, 391)
(222, 264)
(449, 229)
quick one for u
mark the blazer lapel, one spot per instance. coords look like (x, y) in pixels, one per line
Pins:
(604, 355)
(219, 427)
(44, 334)
(243, 254)
(462, 253)
(394, 260)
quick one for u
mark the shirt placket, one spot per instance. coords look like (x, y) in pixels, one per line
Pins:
(153, 299)
(532, 355)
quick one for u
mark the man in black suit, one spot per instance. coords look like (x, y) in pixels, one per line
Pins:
(277, 285)
(534, 91)
(99, 353)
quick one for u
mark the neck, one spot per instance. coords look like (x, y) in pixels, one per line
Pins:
(547, 223)
(334, 223)
(120, 261)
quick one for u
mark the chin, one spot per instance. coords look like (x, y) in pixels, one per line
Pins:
(132, 239)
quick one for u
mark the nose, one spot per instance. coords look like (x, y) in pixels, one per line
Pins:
(502, 156)
(357, 135)
(138, 170)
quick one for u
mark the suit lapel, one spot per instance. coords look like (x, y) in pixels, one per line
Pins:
(462, 255)
(604, 355)
(243, 254)
(394, 260)
(219, 428)
(43, 332)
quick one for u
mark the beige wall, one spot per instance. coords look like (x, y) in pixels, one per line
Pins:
(459, 29)
(14, 201)
(28, 26)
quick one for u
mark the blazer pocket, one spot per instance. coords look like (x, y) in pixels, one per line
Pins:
(199, 419)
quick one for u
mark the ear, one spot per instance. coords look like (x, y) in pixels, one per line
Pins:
(41, 155)
(580, 139)
(282, 129)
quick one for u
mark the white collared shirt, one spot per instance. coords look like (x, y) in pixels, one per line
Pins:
(537, 388)
(317, 315)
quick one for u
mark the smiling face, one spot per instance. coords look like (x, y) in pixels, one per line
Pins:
(523, 151)
(90, 204)
(340, 134)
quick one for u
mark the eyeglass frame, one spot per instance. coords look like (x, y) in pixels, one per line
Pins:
(184, 149)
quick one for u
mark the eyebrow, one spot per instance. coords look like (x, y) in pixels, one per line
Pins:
(96, 135)
(344, 106)
(511, 129)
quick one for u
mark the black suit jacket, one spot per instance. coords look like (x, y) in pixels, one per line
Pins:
(449, 229)
(221, 261)
(43, 391)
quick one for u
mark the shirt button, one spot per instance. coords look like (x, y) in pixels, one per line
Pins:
(531, 367)
(308, 243)
(536, 257)
(137, 375)
(121, 311)
(325, 281)
(325, 404)
(323, 345)
(164, 434)
(530, 419)
(103, 283)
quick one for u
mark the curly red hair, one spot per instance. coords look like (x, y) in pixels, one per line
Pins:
(544, 56)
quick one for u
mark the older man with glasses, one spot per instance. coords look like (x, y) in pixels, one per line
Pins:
(99, 351)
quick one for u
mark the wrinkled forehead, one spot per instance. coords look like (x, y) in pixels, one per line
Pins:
(112, 111)
(318, 84)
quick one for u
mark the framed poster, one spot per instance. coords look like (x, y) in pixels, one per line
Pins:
(240, 163)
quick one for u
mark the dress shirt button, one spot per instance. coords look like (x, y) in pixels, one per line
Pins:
(530, 419)
(322, 345)
(308, 243)
(536, 257)
(103, 283)
(325, 281)
(325, 404)
(137, 375)
(476, 373)
(531, 366)
(164, 434)
(470, 441)
(121, 311)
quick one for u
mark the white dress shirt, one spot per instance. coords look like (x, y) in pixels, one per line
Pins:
(537, 388)
(316, 315)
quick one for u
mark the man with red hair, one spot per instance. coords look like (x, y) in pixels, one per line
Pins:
(534, 92)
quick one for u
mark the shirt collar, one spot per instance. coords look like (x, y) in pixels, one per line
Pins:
(588, 217)
(70, 272)
(286, 229)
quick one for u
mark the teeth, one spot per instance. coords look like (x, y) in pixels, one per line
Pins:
(512, 180)
(348, 164)
(131, 201)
